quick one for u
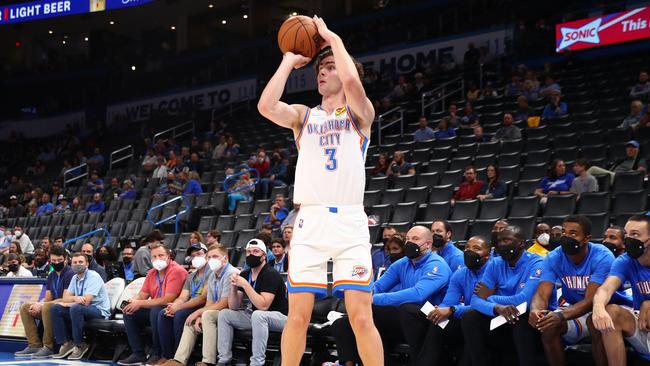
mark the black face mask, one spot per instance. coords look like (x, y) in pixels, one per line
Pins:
(570, 246)
(554, 242)
(493, 239)
(89, 258)
(58, 267)
(39, 262)
(439, 241)
(611, 246)
(411, 250)
(253, 261)
(102, 257)
(634, 247)
(126, 260)
(13, 268)
(394, 257)
(507, 252)
(472, 260)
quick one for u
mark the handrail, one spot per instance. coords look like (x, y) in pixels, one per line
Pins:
(176, 216)
(231, 109)
(231, 177)
(383, 116)
(174, 132)
(441, 93)
(80, 176)
(107, 237)
(127, 156)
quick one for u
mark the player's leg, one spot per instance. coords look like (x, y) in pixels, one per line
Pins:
(358, 304)
(597, 346)
(624, 326)
(552, 342)
(294, 335)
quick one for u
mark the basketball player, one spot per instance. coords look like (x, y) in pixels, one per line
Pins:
(330, 176)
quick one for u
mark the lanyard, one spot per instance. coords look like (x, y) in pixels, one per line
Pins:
(56, 284)
(160, 284)
(215, 293)
(250, 279)
(195, 288)
(76, 286)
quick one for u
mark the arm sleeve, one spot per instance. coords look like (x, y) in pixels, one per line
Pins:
(603, 265)
(619, 268)
(94, 286)
(225, 288)
(175, 282)
(499, 190)
(187, 285)
(389, 279)
(525, 294)
(548, 274)
(484, 306)
(432, 281)
(455, 293)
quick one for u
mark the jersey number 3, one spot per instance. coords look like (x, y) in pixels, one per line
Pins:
(331, 159)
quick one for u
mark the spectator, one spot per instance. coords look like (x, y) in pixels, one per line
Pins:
(614, 240)
(555, 108)
(470, 118)
(444, 246)
(85, 299)
(89, 251)
(494, 188)
(633, 161)
(276, 175)
(14, 264)
(393, 250)
(41, 264)
(471, 56)
(454, 120)
(489, 91)
(557, 181)
(162, 285)
(424, 132)
(280, 257)
(266, 310)
(470, 187)
(76, 205)
(278, 213)
(113, 191)
(514, 87)
(632, 121)
(127, 260)
(97, 205)
(220, 149)
(204, 320)
(291, 217)
(95, 184)
(381, 168)
(15, 209)
(142, 259)
(46, 207)
(23, 240)
(287, 235)
(174, 163)
(260, 163)
(206, 150)
(644, 122)
(508, 132)
(556, 235)
(128, 192)
(240, 191)
(550, 87)
(161, 168)
(642, 88)
(232, 148)
(529, 91)
(584, 182)
(191, 184)
(105, 255)
(213, 237)
(523, 110)
(62, 207)
(45, 244)
(194, 164)
(57, 281)
(399, 166)
(444, 129)
(473, 92)
(150, 160)
(542, 236)
(479, 137)
(380, 256)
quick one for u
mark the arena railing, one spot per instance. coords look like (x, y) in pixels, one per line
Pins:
(232, 108)
(129, 155)
(439, 95)
(388, 119)
(75, 177)
(107, 237)
(176, 131)
(176, 216)
(231, 180)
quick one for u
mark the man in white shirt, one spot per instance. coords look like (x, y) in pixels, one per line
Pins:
(15, 267)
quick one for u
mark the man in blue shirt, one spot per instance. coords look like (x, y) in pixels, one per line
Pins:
(616, 322)
(424, 336)
(128, 193)
(581, 267)
(95, 184)
(46, 207)
(278, 212)
(419, 277)
(191, 186)
(424, 132)
(380, 257)
(98, 204)
(444, 246)
(555, 108)
(85, 299)
(509, 280)
(127, 258)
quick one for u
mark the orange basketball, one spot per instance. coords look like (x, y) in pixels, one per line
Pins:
(298, 34)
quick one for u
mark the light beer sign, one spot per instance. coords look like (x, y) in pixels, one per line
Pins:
(44, 9)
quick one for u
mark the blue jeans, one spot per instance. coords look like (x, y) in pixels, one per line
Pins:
(233, 198)
(135, 322)
(267, 184)
(170, 330)
(66, 320)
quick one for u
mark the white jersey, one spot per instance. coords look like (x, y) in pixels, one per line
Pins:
(331, 159)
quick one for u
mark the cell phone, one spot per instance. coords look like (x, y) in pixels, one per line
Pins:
(124, 304)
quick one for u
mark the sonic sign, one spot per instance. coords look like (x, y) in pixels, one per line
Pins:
(625, 26)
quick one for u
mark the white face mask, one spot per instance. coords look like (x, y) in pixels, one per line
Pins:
(215, 264)
(159, 264)
(198, 262)
(18, 233)
(543, 238)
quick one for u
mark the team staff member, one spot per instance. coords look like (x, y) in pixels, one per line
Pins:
(614, 240)
(444, 246)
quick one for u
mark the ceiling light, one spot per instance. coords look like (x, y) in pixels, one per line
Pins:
(133, 68)
(173, 27)
(294, 14)
(245, 16)
(210, 6)
(86, 39)
(111, 22)
(50, 31)
(63, 42)
(223, 21)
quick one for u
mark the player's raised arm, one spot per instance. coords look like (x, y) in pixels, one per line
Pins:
(347, 71)
(270, 106)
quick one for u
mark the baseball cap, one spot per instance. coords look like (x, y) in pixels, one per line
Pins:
(13, 197)
(633, 143)
(256, 243)
(197, 246)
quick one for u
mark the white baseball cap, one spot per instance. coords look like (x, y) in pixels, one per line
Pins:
(256, 243)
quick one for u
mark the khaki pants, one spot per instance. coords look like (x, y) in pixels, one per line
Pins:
(188, 339)
(595, 170)
(31, 330)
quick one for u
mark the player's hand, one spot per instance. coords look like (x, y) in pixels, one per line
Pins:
(483, 291)
(644, 316)
(439, 314)
(295, 60)
(327, 35)
(509, 312)
(601, 319)
(535, 316)
(550, 321)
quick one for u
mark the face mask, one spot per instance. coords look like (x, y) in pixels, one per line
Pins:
(438, 241)
(40, 262)
(126, 260)
(198, 262)
(253, 261)
(634, 247)
(89, 258)
(543, 239)
(394, 257)
(493, 239)
(13, 268)
(472, 260)
(78, 268)
(570, 246)
(554, 242)
(215, 264)
(159, 264)
(18, 233)
(507, 252)
(102, 257)
(411, 250)
(58, 267)
(611, 246)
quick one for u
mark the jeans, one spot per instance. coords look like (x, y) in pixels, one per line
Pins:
(134, 324)
(261, 322)
(170, 330)
(267, 184)
(233, 198)
(73, 317)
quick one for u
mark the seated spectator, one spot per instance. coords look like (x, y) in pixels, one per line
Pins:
(291, 217)
(212, 237)
(381, 168)
(473, 92)
(380, 255)
(41, 265)
(260, 163)
(614, 240)
(454, 120)
(278, 212)
(392, 252)
(163, 284)
(46, 207)
(95, 184)
(104, 256)
(220, 149)
(15, 209)
(127, 261)
(489, 91)
(493, 188)
(632, 121)
(63, 207)
(173, 161)
(84, 299)
(97, 205)
(57, 281)
(470, 118)
(444, 246)
(550, 87)
(508, 132)
(265, 310)
(470, 188)
(206, 150)
(424, 132)
(523, 110)
(113, 191)
(557, 181)
(45, 244)
(479, 137)
(232, 148)
(529, 91)
(191, 184)
(276, 175)
(96, 161)
(514, 87)
(14, 264)
(23, 240)
(641, 89)
(633, 161)
(142, 258)
(555, 108)
(128, 192)
(399, 166)
(444, 130)
(76, 205)
(287, 235)
(194, 164)
(240, 191)
(280, 260)
(89, 251)
(542, 236)
(161, 168)
(644, 122)
(583, 182)
(150, 160)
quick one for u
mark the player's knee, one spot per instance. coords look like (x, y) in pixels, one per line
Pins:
(361, 321)
(25, 307)
(614, 312)
(298, 319)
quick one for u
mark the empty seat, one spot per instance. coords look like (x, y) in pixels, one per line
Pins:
(117, 229)
(467, 150)
(533, 171)
(629, 202)
(538, 157)
(460, 163)
(244, 236)
(482, 227)
(145, 228)
(512, 159)
(465, 210)
(261, 206)
(509, 173)
(375, 233)
(511, 146)
(405, 212)
(524, 206)
(243, 222)
(527, 187)
(393, 196)
(495, 208)
(593, 202)
(483, 161)
(428, 179)
(628, 181)
(371, 198)
(438, 165)
(378, 183)
(488, 148)
(170, 240)
(404, 181)
(421, 155)
(244, 207)
(459, 229)
(382, 212)
(131, 229)
(228, 238)
(122, 216)
(138, 214)
(560, 205)
(452, 177)
(415, 194)
(526, 224)
(441, 193)
(206, 223)
(599, 223)
(401, 227)
(225, 222)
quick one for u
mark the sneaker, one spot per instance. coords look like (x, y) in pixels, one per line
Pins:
(65, 350)
(132, 360)
(27, 352)
(173, 362)
(160, 362)
(78, 352)
(152, 360)
(329, 363)
(43, 353)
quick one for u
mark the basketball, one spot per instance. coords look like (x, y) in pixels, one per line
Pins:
(298, 34)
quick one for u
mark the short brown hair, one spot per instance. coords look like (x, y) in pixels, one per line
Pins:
(158, 244)
(80, 254)
(326, 52)
(215, 234)
(219, 248)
